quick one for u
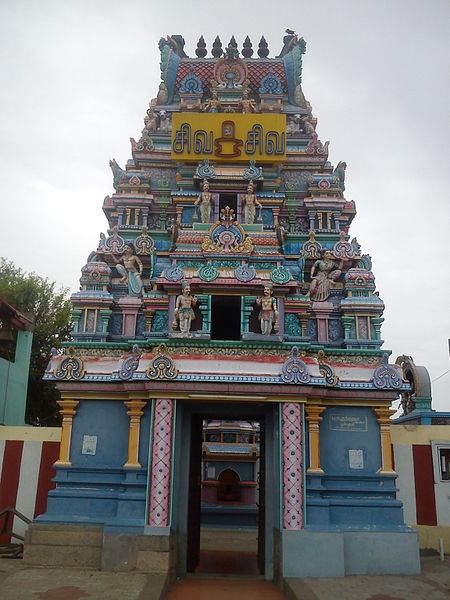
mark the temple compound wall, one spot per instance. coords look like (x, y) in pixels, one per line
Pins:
(228, 286)
(16, 336)
(421, 445)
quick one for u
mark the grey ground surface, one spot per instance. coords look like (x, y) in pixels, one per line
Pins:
(21, 582)
(432, 584)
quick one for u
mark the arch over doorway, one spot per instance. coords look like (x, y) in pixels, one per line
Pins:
(229, 489)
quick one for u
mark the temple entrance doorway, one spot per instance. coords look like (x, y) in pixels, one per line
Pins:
(226, 492)
(228, 489)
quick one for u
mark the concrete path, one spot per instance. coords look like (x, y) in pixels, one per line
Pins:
(21, 582)
(432, 584)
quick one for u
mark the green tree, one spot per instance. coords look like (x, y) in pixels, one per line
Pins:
(50, 307)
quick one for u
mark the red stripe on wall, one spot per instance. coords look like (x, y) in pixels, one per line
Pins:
(9, 482)
(424, 485)
(49, 455)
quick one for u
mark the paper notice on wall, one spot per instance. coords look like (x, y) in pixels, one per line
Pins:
(356, 459)
(89, 444)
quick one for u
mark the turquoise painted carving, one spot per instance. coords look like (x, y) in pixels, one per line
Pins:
(160, 320)
(292, 325)
(280, 275)
(205, 170)
(208, 272)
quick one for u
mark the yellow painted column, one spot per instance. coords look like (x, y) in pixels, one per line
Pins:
(68, 411)
(135, 412)
(383, 417)
(313, 412)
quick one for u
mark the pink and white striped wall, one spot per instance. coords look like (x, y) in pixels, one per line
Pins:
(27, 455)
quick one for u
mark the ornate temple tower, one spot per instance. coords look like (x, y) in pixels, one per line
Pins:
(228, 286)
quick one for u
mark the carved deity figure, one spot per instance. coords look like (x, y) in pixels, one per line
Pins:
(184, 312)
(250, 205)
(268, 315)
(130, 270)
(247, 105)
(324, 273)
(204, 202)
(213, 105)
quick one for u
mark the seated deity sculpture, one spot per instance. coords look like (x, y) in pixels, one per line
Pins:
(324, 273)
(130, 270)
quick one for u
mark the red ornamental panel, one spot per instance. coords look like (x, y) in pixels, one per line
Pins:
(161, 464)
(292, 466)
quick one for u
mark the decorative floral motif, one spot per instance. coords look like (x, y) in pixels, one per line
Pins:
(386, 376)
(174, 273)
(70, 367)
(292, 466)
(343, 249)
(245, 273)
(229, 237)
(252, 171)
(326, 371)
(230, 72)
(114, 243)
(323, 184)
(270, 84)
(145, 142)
(161, 463)
(311, 248)
(315, 146)
(162, 366)
(294, 369)
(205, 170)
(130, 364)
(280, 275)
(144, 244)
(191, 84)
(208, 272)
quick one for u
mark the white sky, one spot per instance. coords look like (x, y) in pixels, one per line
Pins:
(77, 76)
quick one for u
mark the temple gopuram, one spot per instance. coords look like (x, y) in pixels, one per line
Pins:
(228, 287)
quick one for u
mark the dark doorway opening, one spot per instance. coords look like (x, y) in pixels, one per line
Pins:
(226, 518)
(228, 489)
(228, 200)
(225, 318)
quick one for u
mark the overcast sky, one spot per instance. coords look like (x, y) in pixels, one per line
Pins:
(77, 76)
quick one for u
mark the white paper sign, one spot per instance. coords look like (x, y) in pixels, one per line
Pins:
(89, 444)
(356, 459)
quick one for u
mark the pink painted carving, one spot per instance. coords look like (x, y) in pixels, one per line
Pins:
(161, 464)
(292, 466)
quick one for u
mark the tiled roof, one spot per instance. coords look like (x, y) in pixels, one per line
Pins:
(257, 69)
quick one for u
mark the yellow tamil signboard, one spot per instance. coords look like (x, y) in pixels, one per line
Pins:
(228, 137)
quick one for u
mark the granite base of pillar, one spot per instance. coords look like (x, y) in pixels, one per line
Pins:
(338, 553)
(82, 546)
